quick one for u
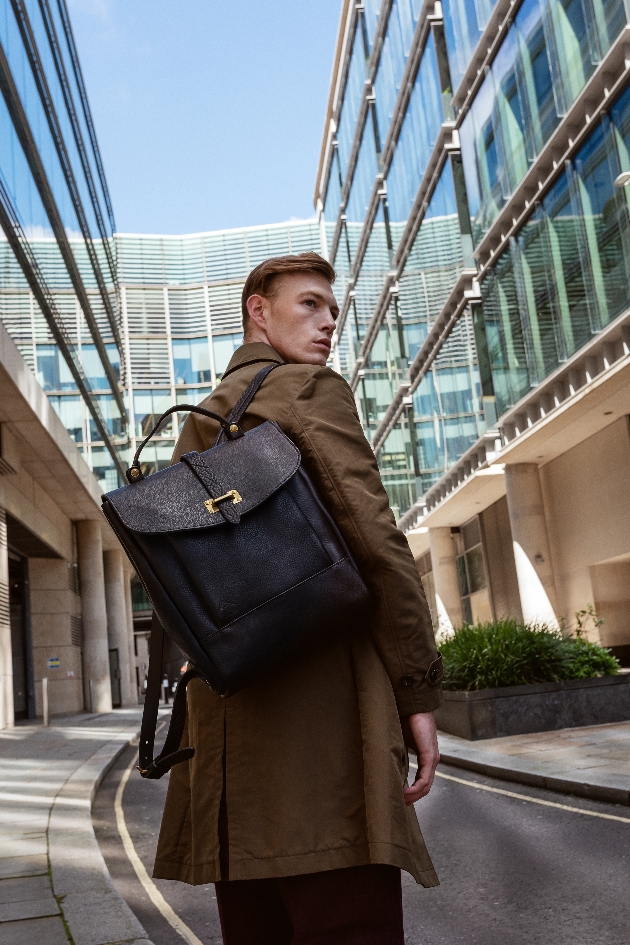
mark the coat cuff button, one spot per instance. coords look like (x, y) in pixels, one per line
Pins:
(407, 680)
(435, 671)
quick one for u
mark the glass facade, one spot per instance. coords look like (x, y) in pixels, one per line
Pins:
(58, 278)
(567, 275)
(390, 298)
(561, 279)
(543, 64)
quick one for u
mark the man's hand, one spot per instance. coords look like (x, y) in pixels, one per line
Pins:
(421, 737)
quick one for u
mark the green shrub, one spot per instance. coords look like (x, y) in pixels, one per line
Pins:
(511, 653)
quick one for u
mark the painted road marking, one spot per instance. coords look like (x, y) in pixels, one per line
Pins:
(525, 797)
(150, 888)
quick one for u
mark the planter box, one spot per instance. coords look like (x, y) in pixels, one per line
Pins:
(542, 707)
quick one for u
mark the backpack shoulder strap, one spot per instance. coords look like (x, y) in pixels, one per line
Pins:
(171, 754)
(245, 399)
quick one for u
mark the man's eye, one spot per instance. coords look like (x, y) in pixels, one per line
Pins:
(310, 302)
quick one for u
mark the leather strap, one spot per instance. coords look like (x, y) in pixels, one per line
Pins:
(134, 473)
(171, 754)
(216, 490)
(245, 400)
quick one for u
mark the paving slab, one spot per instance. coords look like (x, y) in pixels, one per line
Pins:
(22, 865)
(31, 909)
(48, 931)
(592, 762)
(24, 888)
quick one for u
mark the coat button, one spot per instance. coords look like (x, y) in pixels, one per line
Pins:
(407, 680)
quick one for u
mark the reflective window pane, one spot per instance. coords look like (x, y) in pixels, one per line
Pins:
(351, 102)
(224, 347)
(191, 361)
(362, 187)
(148, 406)
(418, 135)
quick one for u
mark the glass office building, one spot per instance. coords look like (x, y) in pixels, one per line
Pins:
(59, 296)
(422, 157)
(470, 188)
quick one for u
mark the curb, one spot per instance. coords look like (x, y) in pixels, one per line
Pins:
(534, 774)
(94, 911)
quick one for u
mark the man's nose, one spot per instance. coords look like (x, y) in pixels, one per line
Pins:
(329, 322)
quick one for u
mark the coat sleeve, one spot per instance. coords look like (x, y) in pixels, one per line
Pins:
(325, 425)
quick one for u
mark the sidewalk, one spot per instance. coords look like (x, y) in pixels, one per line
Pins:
(590, 762)
(53, 879)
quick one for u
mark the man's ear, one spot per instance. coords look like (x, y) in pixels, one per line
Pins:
(257, 309)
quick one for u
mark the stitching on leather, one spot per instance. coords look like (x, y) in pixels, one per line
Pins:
(275, 597)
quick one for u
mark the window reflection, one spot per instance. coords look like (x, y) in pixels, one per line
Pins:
(544, 62)
(191, 360)
(401, 26)
(52, 371)
(568, 273)
(351, 101)
(148, 406)
(464, 22)
(418, 135)
(224, 347)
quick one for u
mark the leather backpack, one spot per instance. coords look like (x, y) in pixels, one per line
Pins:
(241, 559)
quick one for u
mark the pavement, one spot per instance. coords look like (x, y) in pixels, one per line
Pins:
(54, 884)
(591, 762)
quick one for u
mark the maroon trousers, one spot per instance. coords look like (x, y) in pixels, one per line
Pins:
(359, 905)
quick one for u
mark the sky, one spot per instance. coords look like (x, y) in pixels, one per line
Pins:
(209, 113)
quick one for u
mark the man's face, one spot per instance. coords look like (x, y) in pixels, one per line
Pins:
(299, 320)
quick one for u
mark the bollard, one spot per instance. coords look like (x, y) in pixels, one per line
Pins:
(45, 700)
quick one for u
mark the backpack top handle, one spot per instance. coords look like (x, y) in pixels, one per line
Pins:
(230, 429)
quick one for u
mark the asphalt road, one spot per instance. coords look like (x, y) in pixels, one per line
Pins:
(513, 872)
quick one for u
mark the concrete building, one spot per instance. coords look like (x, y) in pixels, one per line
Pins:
(63, 581)
(471, 192)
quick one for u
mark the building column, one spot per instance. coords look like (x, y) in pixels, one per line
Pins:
(130, 635)
(532, 554)
(448, 599)
(7, 718)
(117, 625)
(94, 613)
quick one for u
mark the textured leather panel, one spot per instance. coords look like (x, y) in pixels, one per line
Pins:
(267, 554)
(332, 602)
(256, 465)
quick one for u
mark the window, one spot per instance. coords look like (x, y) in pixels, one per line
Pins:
(361, 188)
(470, 567)
(401, 26)
(224, 347)
(464, 22)
(111, 416)
(52, 371)
(191, 360)
(148, 406)
(419, 132)
(71, 411)
(352, 96)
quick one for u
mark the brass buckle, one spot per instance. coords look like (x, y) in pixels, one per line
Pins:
(211, 504)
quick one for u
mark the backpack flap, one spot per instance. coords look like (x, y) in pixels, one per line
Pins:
(179, 498)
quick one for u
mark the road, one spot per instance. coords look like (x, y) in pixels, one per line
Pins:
(512, 871)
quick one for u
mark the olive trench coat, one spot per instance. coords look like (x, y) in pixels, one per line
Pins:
(305, 771)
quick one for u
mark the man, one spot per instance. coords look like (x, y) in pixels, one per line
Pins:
(296, 802)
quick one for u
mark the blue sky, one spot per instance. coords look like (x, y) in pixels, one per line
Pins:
(209, 114)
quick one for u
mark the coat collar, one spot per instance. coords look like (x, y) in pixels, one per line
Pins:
(252, 353)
